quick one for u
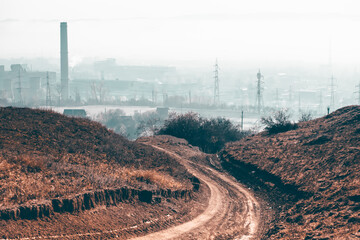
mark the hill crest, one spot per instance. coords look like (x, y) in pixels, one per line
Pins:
(321, 157)
(44, 155)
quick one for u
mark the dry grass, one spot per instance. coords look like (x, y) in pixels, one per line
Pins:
(152, 177)
(29, 177)
(322, 158)
(45, 155)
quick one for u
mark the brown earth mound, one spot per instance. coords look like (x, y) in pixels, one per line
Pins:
(45, 155)
(316, 166)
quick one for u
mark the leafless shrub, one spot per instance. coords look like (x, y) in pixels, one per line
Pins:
(278, 122)
(305, 116)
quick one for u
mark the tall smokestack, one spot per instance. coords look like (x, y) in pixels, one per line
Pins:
(64, 63)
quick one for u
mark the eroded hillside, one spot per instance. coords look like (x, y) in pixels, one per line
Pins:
(44, 155)
(73, 177)
(317, 165)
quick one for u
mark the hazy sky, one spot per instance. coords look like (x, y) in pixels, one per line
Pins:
(161, 30)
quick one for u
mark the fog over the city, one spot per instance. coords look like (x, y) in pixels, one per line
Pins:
(297, 45)
(160, 30)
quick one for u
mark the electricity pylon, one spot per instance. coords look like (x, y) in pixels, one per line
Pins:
(332, 93)
(259, 97)
(216, 87)
(48, 96)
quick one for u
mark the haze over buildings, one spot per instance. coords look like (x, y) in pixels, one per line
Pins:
(159, 31)
(159, 50)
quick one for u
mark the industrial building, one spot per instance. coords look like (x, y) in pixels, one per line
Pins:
(20, 86)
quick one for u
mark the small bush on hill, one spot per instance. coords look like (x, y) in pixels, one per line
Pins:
(210, 135)
(305, 116)
(278, 122)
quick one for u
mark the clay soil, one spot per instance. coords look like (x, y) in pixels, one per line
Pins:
(310, 173)
(123, 221)
(45, 155)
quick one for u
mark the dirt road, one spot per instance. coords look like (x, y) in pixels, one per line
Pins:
(232, 213)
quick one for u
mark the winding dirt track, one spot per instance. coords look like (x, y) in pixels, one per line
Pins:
(232, 213)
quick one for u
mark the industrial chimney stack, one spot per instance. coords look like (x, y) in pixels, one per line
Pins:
(64, 63)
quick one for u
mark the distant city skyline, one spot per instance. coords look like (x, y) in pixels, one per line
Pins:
(160, 31)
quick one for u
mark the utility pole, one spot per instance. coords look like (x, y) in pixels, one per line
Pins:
(320, 102)
(189, 96)
(48, 96)
(332, 93)
(259, 99)
(216, 88)
(358, 93)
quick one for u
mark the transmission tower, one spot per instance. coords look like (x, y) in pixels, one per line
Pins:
(216, 88)
(20, 90)
(48, 96)
(259, 98)
(332, 93)
(358, 93)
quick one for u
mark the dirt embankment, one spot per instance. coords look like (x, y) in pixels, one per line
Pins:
(45, 155)
(311, 173)
(61, 175)
(91, 200)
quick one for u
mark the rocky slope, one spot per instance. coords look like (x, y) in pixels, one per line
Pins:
(315, 169)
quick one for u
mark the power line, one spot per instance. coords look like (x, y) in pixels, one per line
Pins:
(332, 93)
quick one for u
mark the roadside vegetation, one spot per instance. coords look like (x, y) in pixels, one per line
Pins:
(210, 135)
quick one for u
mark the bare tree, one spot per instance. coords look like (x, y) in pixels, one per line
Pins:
(59, 89)
(98, 92)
